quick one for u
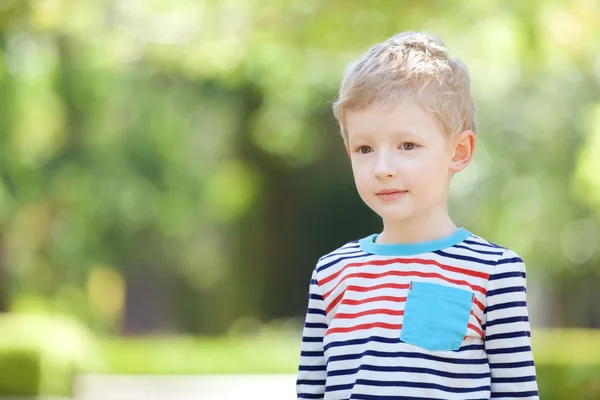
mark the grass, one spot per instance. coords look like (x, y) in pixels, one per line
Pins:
(274, 353)
(267, 354)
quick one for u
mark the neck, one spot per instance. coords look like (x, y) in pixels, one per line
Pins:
(431, 225)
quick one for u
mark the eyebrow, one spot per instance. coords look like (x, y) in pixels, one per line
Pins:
(404, 133)
(364, 135)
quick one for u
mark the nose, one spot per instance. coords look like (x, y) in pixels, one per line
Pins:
(384, 167)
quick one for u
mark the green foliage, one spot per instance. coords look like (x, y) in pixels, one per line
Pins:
(195, 140)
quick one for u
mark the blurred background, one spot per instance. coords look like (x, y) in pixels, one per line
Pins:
(171, 171)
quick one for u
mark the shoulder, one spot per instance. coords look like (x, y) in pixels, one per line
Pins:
(478, 243)
(505, 258)
(327, 263)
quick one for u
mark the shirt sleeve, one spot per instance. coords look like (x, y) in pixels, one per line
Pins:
(311, 376)
(507, 331)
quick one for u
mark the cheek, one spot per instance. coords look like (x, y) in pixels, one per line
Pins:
(361, 177)
(425, 174)
(418, 168)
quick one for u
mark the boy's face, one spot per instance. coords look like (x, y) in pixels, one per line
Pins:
(401, 160)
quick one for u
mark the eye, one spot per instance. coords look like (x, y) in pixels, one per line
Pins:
(364, 149)
(409, 146)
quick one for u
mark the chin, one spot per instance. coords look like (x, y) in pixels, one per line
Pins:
(393, 216)
(396, 217)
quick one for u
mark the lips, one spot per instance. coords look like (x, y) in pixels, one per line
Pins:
(391, 194)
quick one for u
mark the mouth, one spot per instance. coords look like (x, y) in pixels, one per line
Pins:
(391, 194)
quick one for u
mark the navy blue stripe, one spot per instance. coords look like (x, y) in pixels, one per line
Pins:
(331, 263)
(511, 289)
(509, 320)
(503, 306)
(504, 275)
(397, 354)
(315, 296)
(335, 388)
(316, 311)
(312, 354)
(494, 253)
(471, 347)
(369, 339)
(509, 335)
(509, 350)
(510, 395)
(310, 396)
(361, 396)
(420, 385)
(516, 379)
(366, 367)
(488, 244)
(514, 260)
(509, 365)
(311, 368)
(465, 258)
(311, 339)
(388, 340)
(315, 325)
(311, 382)
(356, 250)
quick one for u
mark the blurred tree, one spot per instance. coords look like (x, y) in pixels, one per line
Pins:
(182, 157)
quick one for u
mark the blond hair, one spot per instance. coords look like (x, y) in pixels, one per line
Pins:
(410, 67)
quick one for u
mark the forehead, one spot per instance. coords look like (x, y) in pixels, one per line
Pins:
(402, 119)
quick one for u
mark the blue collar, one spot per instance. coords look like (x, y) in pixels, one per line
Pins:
(368, 245)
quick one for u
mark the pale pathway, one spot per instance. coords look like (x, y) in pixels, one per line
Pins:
(217, 387)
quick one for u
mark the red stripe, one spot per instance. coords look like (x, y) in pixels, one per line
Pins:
(406, 273)
(355, 288)
(364, 326)
(373, 299)
(479, 304)
(362, 289)
(476, 329)
(334, 302)
(363, 301)
(476, 317)
(369, 312)
(407, 261)
(380, 324)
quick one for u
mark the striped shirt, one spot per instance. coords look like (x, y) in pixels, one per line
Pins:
(445, 319)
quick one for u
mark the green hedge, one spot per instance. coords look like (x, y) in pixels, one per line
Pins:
(20, 371)
(569, 382)
(39, 355)
(568, 363)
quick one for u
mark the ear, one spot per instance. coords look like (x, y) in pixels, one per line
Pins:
(464, 146)
(348, 151)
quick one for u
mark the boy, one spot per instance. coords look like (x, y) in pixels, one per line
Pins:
(423, 310)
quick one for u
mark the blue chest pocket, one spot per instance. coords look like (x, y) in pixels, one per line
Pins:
(436, 316)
